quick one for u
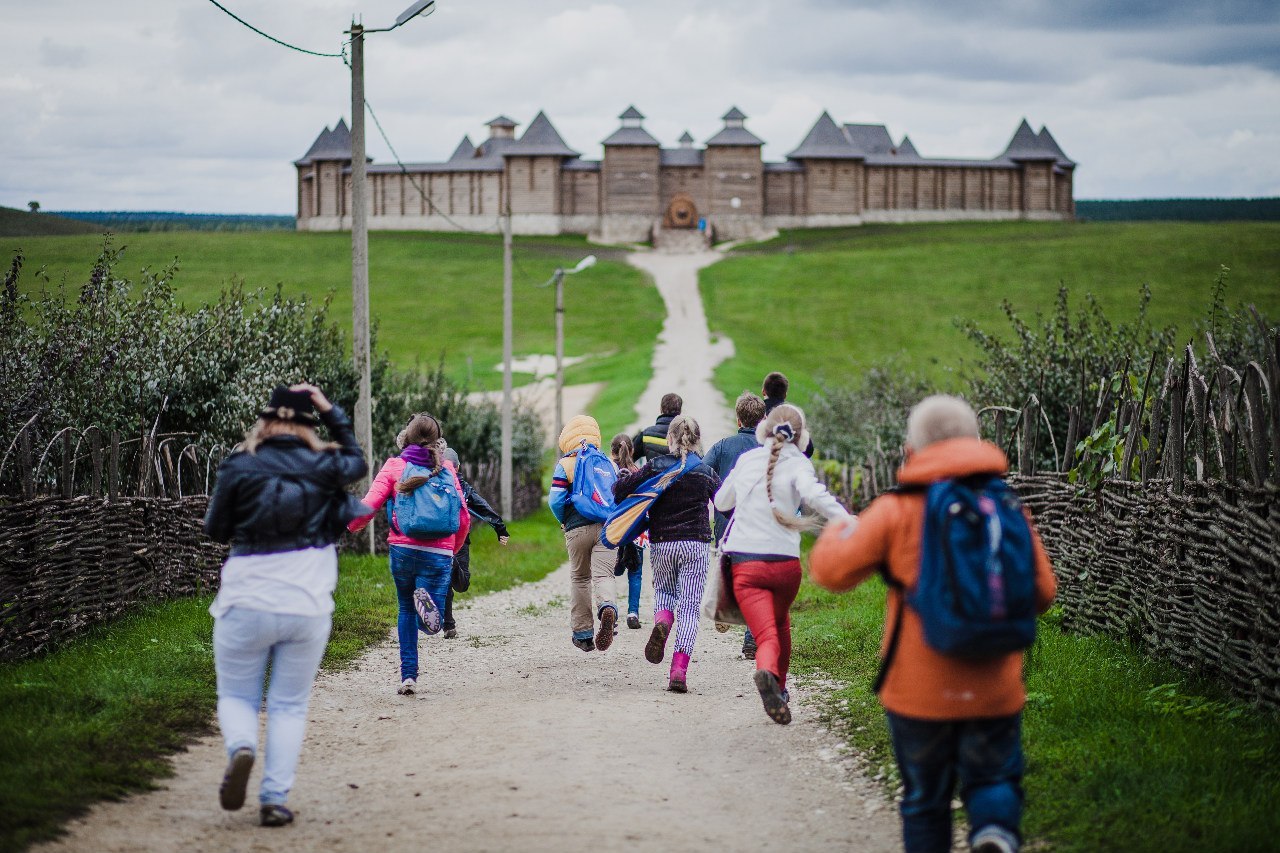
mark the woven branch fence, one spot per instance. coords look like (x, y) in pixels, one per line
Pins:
(1168, 533)
(92, 524)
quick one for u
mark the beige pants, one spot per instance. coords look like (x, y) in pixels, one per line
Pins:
(591, 581)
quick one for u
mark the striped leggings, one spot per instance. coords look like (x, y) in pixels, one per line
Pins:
(679, 576)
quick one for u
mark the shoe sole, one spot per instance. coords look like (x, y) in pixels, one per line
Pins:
(604, 637)
(428, 614)
(774, 705)
(236, 780)
(656, 648)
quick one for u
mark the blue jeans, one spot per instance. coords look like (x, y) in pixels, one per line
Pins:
(984, 755)
(634, 583)
(413, 569)
(243, 642)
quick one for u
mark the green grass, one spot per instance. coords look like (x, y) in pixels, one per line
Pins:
(95, 719)
(21, 223)
(1122, 752)
(431, 294)
(828, 303)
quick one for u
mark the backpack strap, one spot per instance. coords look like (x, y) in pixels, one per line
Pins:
(897, 628)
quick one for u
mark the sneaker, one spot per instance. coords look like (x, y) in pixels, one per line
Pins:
(633, 620)
(275, 815)
(428, 613)
(774, 703)
(450, 633)
(407, 687)
(749, 650)
(604, 637)
(236, 779)
(586, 644)
(994, 839)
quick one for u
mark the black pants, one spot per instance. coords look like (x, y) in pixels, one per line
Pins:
(462, 560)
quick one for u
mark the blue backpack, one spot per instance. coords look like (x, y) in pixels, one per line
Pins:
(593, 479)
(976, 591)
(430, 511)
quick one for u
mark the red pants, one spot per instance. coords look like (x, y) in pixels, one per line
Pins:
(765, 592)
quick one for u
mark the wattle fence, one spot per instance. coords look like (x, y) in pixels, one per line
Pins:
(1161, 513)
(93, 524)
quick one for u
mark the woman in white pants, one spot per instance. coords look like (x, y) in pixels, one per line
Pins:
(280, 501)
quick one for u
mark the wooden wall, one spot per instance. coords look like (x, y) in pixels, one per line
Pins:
(534, 184)
(632, 179)
(734, 171)
(784, 193)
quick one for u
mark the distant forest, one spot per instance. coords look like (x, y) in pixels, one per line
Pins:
(115, 220)
(1181, 209)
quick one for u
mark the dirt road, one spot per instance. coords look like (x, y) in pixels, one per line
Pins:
(521, 742)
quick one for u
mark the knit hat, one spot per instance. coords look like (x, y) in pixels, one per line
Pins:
(579, 428)
(286, 405)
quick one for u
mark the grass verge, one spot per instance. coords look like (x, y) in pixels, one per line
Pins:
(1123, 752)
(95, 719)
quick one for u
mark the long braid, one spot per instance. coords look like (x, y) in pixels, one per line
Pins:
(785, 424)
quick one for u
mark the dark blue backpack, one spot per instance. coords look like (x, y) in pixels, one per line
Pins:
(593, 479)
(431, 511)
(975, 594)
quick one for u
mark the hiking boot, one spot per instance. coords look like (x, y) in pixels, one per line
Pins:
(604, 636)
(236, 779)
(994, 839)
(633, 620)
(656, 648)
(774, 704)
(586, 644)
(428, 613)
(407, 687)
(275, 815)
(679, 673)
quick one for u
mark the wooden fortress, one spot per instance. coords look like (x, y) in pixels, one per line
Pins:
(839, 175)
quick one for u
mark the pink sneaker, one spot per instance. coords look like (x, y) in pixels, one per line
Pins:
(679, 669)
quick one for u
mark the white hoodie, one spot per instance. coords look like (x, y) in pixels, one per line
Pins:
(753, 529)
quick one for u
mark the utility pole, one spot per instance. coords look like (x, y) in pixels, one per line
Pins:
(507, 334)
(360, 259)
(559, 277)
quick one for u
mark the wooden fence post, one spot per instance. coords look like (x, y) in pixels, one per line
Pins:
(113, 468)
(26, 463)
(65, 469)
(95, 456)
(1174, 444)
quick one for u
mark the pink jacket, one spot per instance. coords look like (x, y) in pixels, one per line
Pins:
(383, 488)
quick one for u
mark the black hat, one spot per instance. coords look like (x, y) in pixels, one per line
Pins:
(289, 405)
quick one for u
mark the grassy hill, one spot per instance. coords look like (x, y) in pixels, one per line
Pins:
(432, 295)
(20, 223)
(828, 303)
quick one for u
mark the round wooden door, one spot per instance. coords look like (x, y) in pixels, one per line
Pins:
(681, 213)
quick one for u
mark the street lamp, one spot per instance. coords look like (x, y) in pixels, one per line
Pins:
(360, 232)
(558, 280)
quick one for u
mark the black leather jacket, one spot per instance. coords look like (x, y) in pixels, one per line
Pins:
(286, 496)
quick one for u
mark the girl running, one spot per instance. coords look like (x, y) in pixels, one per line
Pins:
(280, 502)
(630, 554)
(421, 568)
(765, 490)
(680, 533)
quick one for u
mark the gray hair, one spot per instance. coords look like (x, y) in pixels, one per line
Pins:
(939, 418)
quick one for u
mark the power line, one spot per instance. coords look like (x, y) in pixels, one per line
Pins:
(273, 38)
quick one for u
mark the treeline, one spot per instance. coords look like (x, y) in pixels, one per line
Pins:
(1181, 210)
(125, 220)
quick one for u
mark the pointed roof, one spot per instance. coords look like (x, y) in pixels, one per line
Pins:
(464, 151)
(825, 141)
(329, 145)
(686, 139)
(631, 133)
(540, 139)
(907, 151)
(631, 113)
(734, 114)
(869, 139)
(1048, 143)
(1025, 145)
(500, 121)
(733, 133)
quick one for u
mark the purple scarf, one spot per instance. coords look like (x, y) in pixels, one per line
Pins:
(416, 454)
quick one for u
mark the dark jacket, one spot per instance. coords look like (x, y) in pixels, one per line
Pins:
(722, 457)
(771, 403)
(651, 441)
(482, 510)
(286, 496)
(681, 513)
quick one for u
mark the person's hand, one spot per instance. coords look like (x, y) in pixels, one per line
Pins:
(844, 527)
(318, 399)
(503, 540)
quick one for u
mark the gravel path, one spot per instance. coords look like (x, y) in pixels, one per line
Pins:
(521, 742)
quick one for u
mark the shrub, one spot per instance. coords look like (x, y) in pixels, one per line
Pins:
(851, 422)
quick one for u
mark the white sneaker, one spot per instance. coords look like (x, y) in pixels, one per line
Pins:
(994, 839)
(407, 687)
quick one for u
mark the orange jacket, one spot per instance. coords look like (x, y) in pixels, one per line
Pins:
(922, 683)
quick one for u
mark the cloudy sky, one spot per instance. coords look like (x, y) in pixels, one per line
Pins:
(145, 105)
